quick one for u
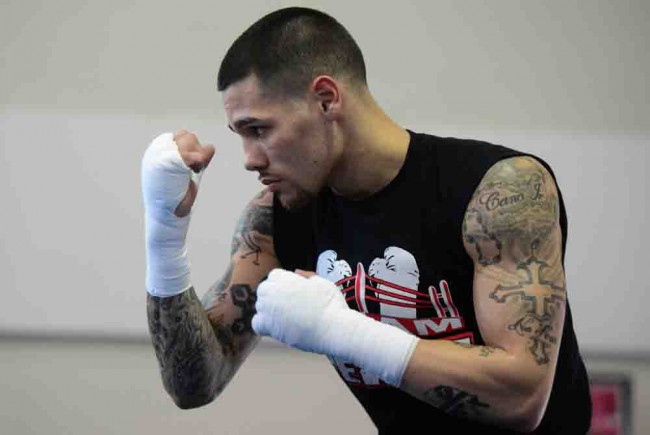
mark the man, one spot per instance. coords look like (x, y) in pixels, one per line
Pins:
(440, 294)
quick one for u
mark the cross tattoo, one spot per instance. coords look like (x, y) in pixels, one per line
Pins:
(537, 324)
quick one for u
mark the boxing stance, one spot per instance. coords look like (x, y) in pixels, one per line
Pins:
(440, 294)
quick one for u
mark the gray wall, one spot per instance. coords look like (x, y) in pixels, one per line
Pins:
(86, 85)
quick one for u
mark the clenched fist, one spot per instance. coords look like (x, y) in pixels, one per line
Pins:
(197, 157)
(171, 168)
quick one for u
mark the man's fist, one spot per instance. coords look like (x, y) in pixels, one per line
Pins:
(197, 157)
(298, 311)
(171, 168)
(308, 312)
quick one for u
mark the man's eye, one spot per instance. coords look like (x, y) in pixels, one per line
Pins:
(258, 131)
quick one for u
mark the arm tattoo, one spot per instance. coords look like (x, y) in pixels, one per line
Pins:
(515, 204)
(200, 344)
(256, 220)
(190, 359)
(485, 351)
(513, 219)
(540, 307)
(455, 402)
(218, 290)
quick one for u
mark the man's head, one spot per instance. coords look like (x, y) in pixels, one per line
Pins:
(284, 80)
(287, 48)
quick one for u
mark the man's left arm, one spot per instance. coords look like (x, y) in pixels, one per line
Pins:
(512, 232)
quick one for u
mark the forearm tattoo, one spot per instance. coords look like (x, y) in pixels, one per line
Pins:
(456, 402)
(200, 344)
(513, 218)
(191, 361)
(484, 351)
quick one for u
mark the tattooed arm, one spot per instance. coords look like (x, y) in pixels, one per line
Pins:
(200, 345)
(511, 230)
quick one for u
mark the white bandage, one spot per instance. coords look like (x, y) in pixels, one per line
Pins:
(311, 314)
(165, 180)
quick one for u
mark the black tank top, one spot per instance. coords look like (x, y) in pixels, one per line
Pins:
(399, 257)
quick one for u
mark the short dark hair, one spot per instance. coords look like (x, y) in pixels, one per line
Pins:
(288, 48)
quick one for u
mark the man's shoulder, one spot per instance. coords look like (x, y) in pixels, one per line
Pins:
(463, 145)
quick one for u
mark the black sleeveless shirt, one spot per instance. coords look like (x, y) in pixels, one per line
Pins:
(399, 257)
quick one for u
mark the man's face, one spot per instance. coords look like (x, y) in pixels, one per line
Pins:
(287, 141)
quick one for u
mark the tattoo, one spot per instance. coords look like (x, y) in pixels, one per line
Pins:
(254, 248)
(244, 298)
(200, 344)
(185, 348)
(229, 334)
(256, 222)
(477, 234)
(217, 291)
(455, 402)
(485, 351)
(540, 307)
(514, 205)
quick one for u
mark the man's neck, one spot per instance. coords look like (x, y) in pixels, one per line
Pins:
(374, 152)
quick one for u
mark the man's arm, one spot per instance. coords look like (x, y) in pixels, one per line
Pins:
(511, 230)
(200, 345)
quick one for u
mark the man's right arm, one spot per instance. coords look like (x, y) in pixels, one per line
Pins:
(201, 344)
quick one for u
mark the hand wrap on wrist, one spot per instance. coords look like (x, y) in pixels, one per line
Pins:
(165, 180)
(311, 314)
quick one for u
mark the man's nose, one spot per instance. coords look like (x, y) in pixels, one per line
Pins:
(254, 156)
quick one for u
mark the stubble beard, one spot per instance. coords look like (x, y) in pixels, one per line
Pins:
(296, 200)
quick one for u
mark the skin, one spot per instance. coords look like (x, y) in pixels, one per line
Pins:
(305, 143)
(511, 231)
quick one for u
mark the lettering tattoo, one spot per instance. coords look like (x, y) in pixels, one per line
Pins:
(515, 203)
(541, 307)
(511, 228)
(485, 351)
(455, 402)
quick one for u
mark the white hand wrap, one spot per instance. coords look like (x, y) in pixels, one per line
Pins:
(311, 314)
(165, 180)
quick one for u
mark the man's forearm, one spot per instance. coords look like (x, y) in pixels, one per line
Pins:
(479, 383)
(194, 364)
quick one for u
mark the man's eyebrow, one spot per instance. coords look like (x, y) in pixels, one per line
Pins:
(240, 123)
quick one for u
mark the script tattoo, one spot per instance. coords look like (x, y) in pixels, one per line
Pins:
(455, 402)
(514, 203)
(485, 351)
(541, 307)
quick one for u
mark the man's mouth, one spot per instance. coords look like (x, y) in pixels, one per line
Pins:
(268, 180)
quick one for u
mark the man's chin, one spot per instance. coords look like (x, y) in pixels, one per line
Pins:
(294, 201)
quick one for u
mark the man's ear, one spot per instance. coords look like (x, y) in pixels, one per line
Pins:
(328, 94)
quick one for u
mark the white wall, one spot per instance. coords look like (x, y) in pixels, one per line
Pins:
(86, 85)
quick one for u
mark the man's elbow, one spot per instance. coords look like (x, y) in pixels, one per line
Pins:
(530, 412)
(195, 399)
